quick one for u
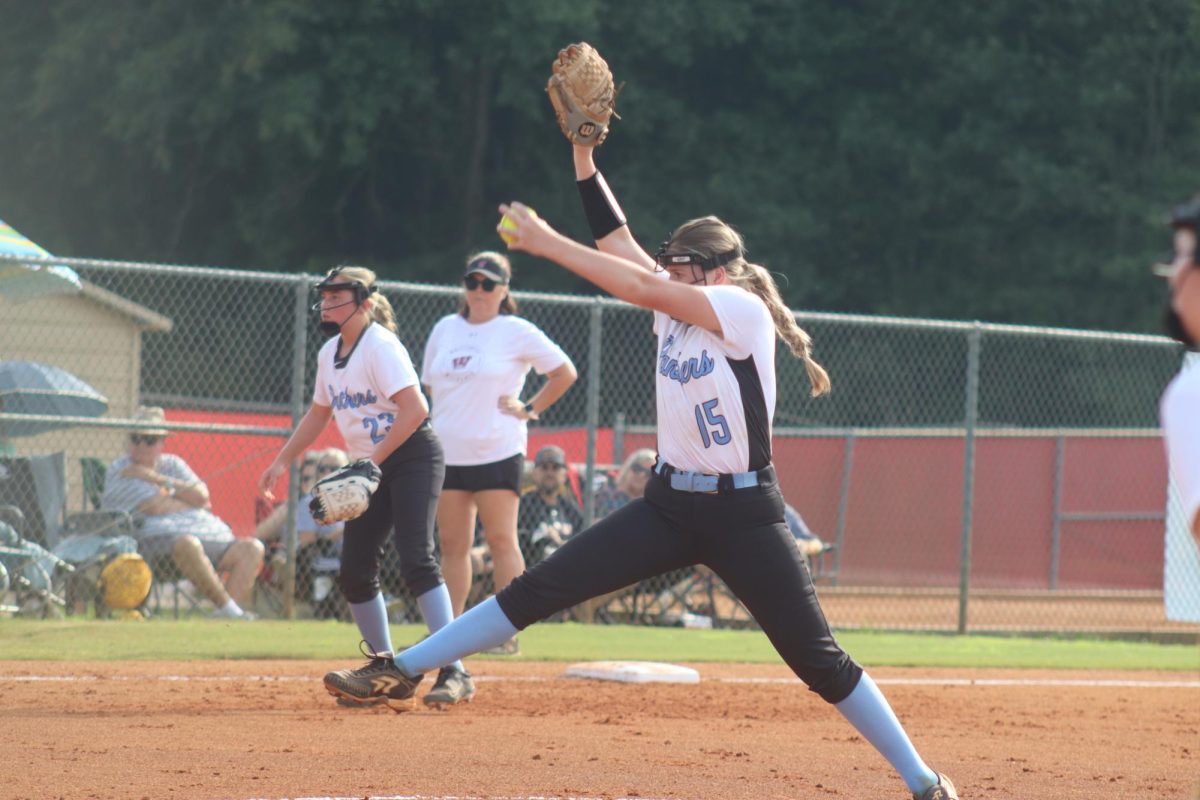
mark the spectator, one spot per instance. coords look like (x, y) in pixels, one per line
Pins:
(172, 505)
(808, 542)
(548, 515)
(630, 483)
(270, 524)
(318, 547)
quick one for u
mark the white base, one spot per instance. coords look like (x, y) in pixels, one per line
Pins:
(633, 672)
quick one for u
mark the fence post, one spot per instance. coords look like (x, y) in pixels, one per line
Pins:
(971, 418)
(843, 505)
(299, 344)
(595, 334)
(595, 350)
(1056, 526)
(618, 454)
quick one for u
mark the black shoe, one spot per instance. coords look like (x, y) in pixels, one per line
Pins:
(377, 681)
(453, 686)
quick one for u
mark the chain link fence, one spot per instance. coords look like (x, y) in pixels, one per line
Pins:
(962, 476)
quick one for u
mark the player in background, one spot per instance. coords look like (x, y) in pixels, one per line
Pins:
(367, 384)
(714, 498)
(1179, 408)
(475, 365)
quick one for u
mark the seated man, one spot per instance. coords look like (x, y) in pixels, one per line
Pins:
(548, 515)
(161, 490)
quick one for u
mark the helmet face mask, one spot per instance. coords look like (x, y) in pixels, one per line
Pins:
(700, 265)
(333, 282)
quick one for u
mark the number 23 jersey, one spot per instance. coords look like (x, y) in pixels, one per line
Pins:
(359, 388)
(716, 394)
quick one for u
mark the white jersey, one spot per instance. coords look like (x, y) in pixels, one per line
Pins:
(716, 395)
(468, 368)
(1180, 414)
(359, 389)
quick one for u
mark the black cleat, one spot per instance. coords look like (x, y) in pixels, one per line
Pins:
(377, 681)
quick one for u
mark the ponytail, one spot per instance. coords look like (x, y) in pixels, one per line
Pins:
(382, 312)
(757, 280)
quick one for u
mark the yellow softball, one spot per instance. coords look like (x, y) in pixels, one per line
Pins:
(506, 223)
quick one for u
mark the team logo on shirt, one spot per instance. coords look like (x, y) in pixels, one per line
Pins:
(685, 370)
(345, 399)
(461, 363)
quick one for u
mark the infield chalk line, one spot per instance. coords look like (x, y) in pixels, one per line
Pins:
(1079, 682)
(455, 797)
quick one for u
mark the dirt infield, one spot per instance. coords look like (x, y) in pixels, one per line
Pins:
(266, 729)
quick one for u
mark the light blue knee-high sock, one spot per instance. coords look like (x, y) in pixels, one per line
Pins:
(867, 710)
(482, 627)
(437, 611)
(372, 621)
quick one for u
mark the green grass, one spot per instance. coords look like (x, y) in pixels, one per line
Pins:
(200, 639)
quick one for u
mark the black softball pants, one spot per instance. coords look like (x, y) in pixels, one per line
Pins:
(406, 504)
(739, 534)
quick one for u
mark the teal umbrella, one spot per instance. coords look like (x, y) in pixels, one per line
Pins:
(20, 281)
(29, 387)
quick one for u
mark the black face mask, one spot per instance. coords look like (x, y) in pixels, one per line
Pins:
(1173, 326)
(330, 329)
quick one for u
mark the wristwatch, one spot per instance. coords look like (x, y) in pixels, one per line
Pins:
(529, 410)
(170, 487)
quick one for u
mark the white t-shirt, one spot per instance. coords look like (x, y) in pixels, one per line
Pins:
(1179, 410)
(360, 390)
(716, 396)
(468, 368)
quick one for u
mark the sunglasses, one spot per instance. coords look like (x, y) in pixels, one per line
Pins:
(472, 283)
(138, 438)
(325, 469)
(638, 469)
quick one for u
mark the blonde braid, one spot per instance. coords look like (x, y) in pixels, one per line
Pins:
(758, 280)
(382, 312)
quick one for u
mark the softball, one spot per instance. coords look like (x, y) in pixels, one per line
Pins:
(506, 223)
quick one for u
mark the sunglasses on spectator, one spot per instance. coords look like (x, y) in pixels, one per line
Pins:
(138, 438)
(325, 469)
(472, 283)
(551, 465)
(639, 469)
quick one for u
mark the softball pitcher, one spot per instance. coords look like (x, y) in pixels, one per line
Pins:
(366, 382)
(714, 498)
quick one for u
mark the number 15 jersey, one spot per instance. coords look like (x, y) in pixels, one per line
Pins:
(716, 394)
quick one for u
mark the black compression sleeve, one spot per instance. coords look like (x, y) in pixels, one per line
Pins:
(603, 214)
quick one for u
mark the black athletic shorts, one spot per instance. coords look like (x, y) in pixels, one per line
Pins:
(503, 474)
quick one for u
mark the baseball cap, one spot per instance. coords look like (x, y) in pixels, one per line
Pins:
(550, 454)
(488, 268)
